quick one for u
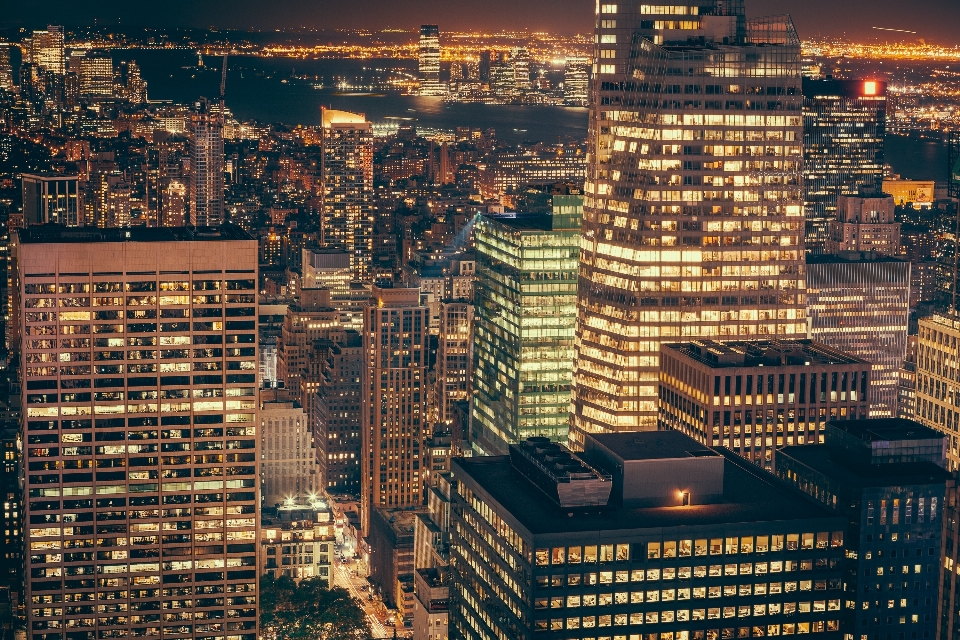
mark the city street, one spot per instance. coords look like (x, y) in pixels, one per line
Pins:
(344, 577)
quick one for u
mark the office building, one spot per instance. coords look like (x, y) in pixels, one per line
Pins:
(95, 72)
(336, 414)
(576, 81)
(454, 359)
(297, 540)
(206, 164)
(693, 227)
(643, 534)
(331, 269)
(520, 63)
(289, 466)
(51, 198)
(859, 303)
(46, 50)
(310, 319)
(390, 535)
(886, 478)
(394, 402)
(6, 70)
(429, 61)
(346, 219)
(755, 397)
(864, 223)
(938, 380)
(844, 123)
(142, 476)
(524, 327)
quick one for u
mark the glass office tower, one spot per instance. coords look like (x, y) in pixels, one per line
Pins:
(693, 210)
(523, 337)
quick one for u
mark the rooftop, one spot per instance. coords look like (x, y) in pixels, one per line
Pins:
(819, 458)
(850, 256)
(653, 445)
(749, 495)
(58, 234)
(887, 429)
(762, 353)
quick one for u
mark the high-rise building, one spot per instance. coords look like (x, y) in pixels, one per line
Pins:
(310, 319)
(520, 62)
(346, 219)
(46, 50)
(576, 81)
(454, 358)
(429, 61)
(95, 71)
(886, 478)
(6, 70)
(524, 327)
(756, 397)
(206, 164)
(693, 213)
(645, 533)
(394, 402)
(50, 198)
(844, 123)
(859, 303)
(337, 415)
(139, 364)
(864, 223)
(938, 380)
(290, 470)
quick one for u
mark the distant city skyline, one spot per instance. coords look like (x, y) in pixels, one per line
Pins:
(930, 19)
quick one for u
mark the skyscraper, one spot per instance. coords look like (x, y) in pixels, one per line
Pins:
(46, 50)
(346, 221)
(394, 402)
(429, 61)
(140, 406)
(50, 198)
(454, 358)
(693, 216)
(576, 81)
(938, 374)
(524, 329)
(864, 222)
(206, 164)
(859, 303)
(6, 70)
(844, 122)
(95, 72)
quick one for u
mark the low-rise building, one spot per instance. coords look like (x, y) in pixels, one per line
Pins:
(296, 541)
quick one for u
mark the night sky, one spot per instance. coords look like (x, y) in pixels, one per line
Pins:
(935, 20)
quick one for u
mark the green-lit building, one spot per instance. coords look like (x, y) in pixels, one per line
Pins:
(526, 294)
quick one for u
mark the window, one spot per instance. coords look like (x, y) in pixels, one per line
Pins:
(608, 68)
(608, 8)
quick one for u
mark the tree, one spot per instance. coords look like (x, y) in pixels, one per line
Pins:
(309, 611)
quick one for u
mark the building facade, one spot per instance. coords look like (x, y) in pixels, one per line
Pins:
(864, 223)
(297, 541)
(394, 403)
(346, 219)
(844, 123)
(454, 358)
(523, 347)
(51, 198)
(691, 544)
(139, 360)
(693, 212)
(289, 460)
(859, 303)
(756, 397)
(885, 477)
(938, 380)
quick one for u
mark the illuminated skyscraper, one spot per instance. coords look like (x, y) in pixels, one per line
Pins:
(394, 428)
(864, 222)
(844, 122)
(50, 198)
(140, 406)
(429, 59)
(576, 82)
(346, 221)
(206, 164)
(525, 316)
(859, 303)
(520, 61)
(693, 216)
(46, 50)
(96, 74)
(6, 71)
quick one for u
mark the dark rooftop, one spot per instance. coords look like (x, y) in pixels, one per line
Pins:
(849, 256)
(750, 495)
(818, 457)
(758, 353)
(57, 234)
(886, 429)
(651, 445)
